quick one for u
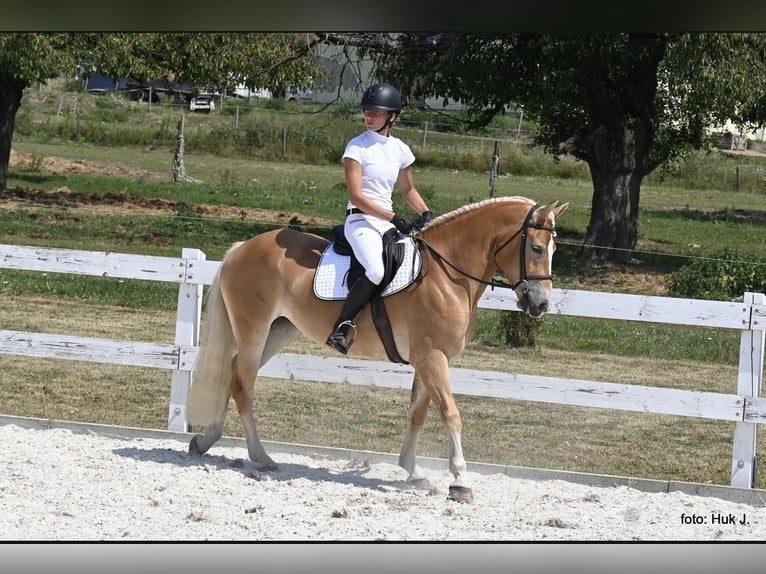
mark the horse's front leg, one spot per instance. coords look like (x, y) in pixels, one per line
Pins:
(416, 418)
(434, 372)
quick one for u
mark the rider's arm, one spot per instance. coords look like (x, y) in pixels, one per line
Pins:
(411, 195)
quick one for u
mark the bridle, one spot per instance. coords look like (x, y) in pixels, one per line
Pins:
(521, 286)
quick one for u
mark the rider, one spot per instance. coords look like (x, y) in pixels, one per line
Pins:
(374, 161)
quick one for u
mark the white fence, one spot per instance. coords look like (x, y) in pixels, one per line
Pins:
(746, 408)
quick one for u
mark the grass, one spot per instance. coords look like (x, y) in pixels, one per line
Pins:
(158, 235)
(681, 216)
(624, 338)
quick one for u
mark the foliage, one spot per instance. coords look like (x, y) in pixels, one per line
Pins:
(572, 84)
(724, 276)
(217, 61)
(520, 329)
(28, 58)
(213, 60)
(624, 103)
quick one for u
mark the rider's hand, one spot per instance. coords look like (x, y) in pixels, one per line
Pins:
(403, 224)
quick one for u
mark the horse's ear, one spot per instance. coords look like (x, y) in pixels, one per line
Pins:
(559, 209)
(553, 208)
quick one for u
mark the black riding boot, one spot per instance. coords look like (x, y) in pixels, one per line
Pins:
(359, 295)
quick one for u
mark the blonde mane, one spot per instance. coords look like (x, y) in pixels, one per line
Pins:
(438, 221)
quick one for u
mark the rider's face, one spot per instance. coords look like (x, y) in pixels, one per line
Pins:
(375, 119)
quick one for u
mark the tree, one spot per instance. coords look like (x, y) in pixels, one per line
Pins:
(626, 104)
(216, 61)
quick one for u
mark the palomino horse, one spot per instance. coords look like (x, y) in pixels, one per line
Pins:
(262, 299)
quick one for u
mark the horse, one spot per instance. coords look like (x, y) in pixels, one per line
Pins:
(261, 299)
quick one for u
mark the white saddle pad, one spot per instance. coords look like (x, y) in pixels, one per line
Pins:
(330, 278)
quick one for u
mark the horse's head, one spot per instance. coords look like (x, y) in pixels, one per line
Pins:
(526, 256)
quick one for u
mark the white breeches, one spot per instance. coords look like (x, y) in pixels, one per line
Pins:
(365, 235)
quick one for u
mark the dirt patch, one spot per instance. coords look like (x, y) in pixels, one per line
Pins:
(61, 166)
(619, 280)
(123, 203)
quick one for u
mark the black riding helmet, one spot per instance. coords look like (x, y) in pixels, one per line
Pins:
(382, 97)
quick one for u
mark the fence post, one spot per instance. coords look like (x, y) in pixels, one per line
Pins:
(187, 333)
(493, 169)
(749, 384)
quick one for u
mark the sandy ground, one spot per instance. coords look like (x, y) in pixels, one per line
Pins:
(56, 485)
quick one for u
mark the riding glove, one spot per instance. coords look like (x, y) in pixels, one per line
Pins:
(403, 224)
(426, 216)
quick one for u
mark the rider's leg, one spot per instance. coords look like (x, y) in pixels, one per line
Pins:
(367, 243)
(357, 299)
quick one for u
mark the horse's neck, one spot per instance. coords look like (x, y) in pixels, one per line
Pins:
(467, 244)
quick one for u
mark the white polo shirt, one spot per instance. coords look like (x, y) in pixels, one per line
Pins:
(381, 159)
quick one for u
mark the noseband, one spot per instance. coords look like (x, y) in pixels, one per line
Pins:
(521, 286)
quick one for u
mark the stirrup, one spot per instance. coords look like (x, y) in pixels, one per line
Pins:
(337, 340)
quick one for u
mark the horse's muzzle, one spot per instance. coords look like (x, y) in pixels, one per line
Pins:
(532, 299)
(538, 310)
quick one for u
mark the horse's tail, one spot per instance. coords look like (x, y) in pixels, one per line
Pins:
(214, 367)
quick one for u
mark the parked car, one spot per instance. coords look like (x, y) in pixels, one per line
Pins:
(304, 95)
(242, 91)
(202, 103)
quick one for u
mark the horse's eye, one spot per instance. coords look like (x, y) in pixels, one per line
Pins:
(539, 249)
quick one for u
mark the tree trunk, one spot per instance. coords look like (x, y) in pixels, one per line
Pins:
(617, 160)
(178, 168)
(11, 91)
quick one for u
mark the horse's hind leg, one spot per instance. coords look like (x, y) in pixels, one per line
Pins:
(281, 332)
(242, 386)
(416, 418)
(201, 443)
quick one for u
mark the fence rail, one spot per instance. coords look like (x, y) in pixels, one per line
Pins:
(746, 407)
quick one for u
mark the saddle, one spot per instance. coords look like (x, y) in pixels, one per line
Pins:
(338, 268)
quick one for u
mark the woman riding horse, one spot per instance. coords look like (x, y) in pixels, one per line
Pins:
(374, 161)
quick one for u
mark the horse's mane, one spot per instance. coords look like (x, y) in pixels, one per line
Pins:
(440, 220)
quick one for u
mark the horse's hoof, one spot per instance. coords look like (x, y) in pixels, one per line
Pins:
(461, 494)
(194, 446)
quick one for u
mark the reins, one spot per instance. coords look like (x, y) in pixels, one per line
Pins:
(521, 285)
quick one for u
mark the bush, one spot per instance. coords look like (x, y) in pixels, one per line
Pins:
(520, 329)
(723, 276)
